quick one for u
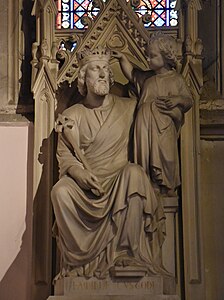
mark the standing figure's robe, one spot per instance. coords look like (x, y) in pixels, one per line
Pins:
(94, 232)
(156, 134)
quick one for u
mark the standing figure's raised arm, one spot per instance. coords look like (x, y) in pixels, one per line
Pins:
(125, 64)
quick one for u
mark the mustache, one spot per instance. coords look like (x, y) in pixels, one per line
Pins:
(102, 80)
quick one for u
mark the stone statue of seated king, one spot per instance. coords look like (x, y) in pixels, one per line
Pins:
(108, 216)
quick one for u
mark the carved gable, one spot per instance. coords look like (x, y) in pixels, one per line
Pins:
(116, 27)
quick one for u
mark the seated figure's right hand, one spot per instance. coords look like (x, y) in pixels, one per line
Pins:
(85, 179)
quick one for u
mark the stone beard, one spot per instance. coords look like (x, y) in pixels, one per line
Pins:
(99, 87)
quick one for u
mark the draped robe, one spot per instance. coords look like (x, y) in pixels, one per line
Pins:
(93, 232)
(156, 134)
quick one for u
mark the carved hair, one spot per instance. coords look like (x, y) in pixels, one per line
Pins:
(167, 46)
(82, 79)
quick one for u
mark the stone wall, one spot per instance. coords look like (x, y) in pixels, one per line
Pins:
(4, 54)
(212, 147)
(16, 153)
(212, 191)
(16, 209)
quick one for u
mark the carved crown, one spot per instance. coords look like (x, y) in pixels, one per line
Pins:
(88, 55)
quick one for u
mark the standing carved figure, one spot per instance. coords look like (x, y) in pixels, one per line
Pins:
(164, 98)
(107, 213)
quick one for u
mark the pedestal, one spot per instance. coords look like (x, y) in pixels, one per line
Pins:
(122, 288)
(136, 297)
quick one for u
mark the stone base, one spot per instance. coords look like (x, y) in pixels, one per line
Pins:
(117, 297)
(122, 288)
(128, 272)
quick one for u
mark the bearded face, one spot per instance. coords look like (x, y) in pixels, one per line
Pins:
(99, 87)
(97, 78)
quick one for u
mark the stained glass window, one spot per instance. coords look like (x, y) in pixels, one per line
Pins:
(161, 12)
(71, 13)
(158, 12)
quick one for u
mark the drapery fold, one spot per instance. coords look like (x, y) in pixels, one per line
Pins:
(94, 232)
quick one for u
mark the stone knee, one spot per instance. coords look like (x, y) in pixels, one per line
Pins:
(59, 195)
(133, 169)
(136, 172)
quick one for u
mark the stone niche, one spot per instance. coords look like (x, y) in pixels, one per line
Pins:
(116, 27)
(116, 31)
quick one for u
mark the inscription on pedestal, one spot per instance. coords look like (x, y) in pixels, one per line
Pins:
(104, 285)
(93, 286)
